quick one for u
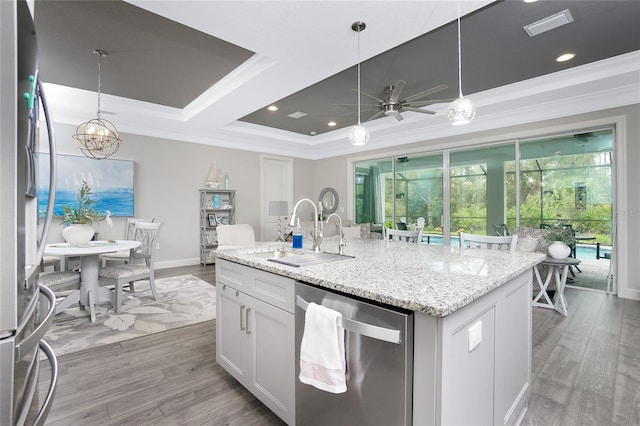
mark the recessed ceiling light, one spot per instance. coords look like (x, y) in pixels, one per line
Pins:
(565, 57)
(313, 133)
(331, 123)
(549, 23)
(272, 108)
(529, 1)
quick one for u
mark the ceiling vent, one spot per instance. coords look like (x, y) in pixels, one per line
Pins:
(549, 23)
(297, 114)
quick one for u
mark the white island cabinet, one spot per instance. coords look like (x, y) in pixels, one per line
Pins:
(255, 333)
(472, 324)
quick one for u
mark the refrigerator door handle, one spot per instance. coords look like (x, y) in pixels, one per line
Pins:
(386, 334)
(42, 241)
(48, 401)
(30, 342)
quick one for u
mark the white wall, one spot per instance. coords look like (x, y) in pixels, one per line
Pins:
(167, 176)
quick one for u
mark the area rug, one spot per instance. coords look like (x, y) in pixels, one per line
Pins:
(182, 300)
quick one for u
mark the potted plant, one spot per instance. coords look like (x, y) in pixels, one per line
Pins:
(562, 241)
(80, 217)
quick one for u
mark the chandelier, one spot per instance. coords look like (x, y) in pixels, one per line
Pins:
(98, 138)
(461, 111)
(358, 135)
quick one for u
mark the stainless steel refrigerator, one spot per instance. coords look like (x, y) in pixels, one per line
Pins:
(26, 308)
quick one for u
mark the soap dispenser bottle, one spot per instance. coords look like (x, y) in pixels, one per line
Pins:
(297, 235)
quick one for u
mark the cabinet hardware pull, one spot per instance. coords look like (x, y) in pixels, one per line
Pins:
(246, 319)
(242, 327)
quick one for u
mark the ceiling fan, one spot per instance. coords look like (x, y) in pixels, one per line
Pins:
(393, 105)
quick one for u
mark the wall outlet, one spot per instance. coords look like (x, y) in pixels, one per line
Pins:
(475, 335)
(157, 246)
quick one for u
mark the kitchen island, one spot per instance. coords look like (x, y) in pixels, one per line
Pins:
(471, 354)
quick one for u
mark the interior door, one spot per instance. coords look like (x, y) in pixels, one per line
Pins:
(276, 184)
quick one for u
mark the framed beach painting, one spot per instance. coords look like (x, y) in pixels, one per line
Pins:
(110, 180)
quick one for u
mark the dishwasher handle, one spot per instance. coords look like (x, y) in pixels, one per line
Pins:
(380, 333)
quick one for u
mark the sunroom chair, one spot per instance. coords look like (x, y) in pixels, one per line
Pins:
(489, 242)
(501, 230)
(119, 275)
(398, 235)
(123, 256)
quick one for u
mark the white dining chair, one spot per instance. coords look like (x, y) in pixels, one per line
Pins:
(398, 235)
(119, 275)
(123, 256)
(488, 242)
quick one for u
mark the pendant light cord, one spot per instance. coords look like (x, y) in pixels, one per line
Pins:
(459, 54)
(359, 77)
(99, 53)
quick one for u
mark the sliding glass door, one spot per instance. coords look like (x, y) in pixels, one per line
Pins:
(478, 190)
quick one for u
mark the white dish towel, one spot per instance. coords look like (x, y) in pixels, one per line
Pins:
(322, 357)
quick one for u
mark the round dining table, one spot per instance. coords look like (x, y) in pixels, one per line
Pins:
(90, 293)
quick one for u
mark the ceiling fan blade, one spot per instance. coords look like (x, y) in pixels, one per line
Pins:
(426, 92)
(422, 111)
(397, 115)
(376, 115)
(366, 94)
(397, 90)
(431, 102)
(362, 105)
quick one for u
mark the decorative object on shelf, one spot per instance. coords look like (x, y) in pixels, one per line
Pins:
(215, 179)
(80, 218)
(461, 110)
(212, 219)
(358, 135)
(279, 208)
(559, 250)
(98, 138)
(216, 201)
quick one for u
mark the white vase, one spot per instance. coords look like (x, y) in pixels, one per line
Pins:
(559, 250)
(78, 233)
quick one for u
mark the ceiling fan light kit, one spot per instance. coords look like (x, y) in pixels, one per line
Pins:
(461, 111)
(98, 138)
(358, 135)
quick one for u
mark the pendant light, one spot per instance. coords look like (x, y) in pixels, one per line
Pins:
(98, 138)
(462, 110)
(358, 135)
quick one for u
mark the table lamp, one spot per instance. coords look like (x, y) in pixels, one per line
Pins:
(279, 208)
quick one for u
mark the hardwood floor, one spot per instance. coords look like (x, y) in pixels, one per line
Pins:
(586, 370)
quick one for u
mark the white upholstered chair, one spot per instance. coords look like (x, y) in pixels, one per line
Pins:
(232, 236)
(119, 275)
(59, 280)
(404, 236)
(490, 242)
(123, 256)
(420, 223)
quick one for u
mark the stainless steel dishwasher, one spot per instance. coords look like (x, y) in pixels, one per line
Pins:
(379, 355)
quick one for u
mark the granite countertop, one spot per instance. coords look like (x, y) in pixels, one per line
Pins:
(436, 280)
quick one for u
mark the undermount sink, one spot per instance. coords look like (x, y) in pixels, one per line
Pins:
(301, 258)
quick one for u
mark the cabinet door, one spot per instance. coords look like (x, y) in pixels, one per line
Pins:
(232, 351)
(272, 334)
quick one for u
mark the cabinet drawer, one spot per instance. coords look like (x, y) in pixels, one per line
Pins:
(273, 289)
(231, 274)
